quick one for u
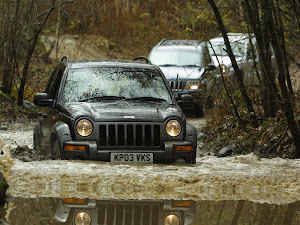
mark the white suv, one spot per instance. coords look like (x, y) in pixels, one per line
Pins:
(245, 55)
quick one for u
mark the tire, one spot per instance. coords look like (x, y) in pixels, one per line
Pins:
(198, 110)
(55, 152)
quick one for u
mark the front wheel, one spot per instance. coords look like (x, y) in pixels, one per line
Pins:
(55, 152)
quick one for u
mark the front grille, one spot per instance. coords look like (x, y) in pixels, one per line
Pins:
(128, 214)
(176, 84)
(129, 135)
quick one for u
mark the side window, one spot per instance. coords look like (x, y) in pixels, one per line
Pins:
(51, 81)
(57, 83)
(54, 83)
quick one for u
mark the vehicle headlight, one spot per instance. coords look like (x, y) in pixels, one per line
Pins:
(83, 218)
(84, 127)
(192, 84)
(173, 128)
(171, 220)
(223, 68)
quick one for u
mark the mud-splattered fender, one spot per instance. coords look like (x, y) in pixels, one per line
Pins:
(191, 135)
(60, 132)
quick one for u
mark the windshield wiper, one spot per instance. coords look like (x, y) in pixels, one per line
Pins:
(100, 98)
(146, 99)
(167, 65)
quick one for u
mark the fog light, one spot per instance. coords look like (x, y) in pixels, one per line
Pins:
(83, 218)
(74, 201)
(184, 148)
(171, 220)
(75, 147)
(182, 203)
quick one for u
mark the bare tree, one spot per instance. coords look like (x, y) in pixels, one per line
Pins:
(35, 29)
(283, 72)
(261, 30)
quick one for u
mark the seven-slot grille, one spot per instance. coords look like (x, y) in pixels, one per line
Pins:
(130, 135)
(176, 84)
(128, 214)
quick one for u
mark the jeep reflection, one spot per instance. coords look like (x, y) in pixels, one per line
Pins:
(114, 111)
(113, 212)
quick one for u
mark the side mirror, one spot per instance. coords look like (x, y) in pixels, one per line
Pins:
(210, 67)
(186, 101)
(42, 100)
(187, 98)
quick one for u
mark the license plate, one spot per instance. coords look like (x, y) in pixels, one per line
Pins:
(132, 157)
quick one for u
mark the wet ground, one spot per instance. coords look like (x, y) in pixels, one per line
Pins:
(231, 190)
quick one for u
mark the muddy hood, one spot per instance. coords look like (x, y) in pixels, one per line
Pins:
(122, 110)
(184, 73)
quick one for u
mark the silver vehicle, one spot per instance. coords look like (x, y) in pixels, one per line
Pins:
(245, 55)
(185, 63)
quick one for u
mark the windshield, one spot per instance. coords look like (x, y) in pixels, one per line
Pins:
(176, 58)
(110, 83)
(220, 49)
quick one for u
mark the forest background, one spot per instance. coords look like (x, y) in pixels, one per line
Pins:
(264, 120)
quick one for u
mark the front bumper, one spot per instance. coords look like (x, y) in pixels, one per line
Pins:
(167, 154)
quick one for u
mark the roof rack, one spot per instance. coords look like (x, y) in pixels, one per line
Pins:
(65, 58)
(162, 41)
(142, 57)
(199, 42)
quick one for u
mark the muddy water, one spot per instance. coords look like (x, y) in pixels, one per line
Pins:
(233, 190)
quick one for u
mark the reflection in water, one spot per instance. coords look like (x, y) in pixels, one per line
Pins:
(38, 211)
(235, 190)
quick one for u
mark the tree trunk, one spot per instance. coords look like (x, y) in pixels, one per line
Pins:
(31, 46)
(281, 35)
(57, 33)
(290, 213)
(260, 29)
(237, 213)
(282, 74)
(238, 73)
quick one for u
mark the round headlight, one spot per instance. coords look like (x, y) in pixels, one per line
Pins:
(83, 218)
(171, 220)
(84, 127)
(173, 128)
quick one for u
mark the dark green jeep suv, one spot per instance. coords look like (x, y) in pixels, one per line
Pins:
(112, 110)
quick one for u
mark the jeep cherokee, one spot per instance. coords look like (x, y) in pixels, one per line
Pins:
(112, 110)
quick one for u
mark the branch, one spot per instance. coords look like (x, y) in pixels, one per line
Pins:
(52, 8)
(47, 13)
